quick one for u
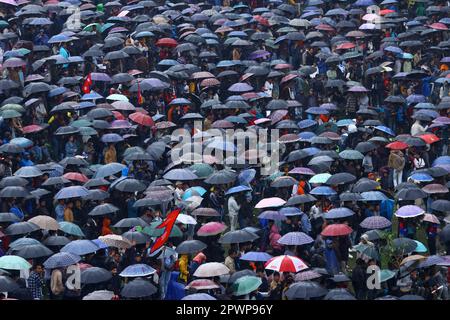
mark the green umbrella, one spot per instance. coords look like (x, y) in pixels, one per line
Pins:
(320, 178)
(245, 285)
(90, 27)
(153, 232)
(81, 123)
(71, 228)
(106, 26)
(4, 24)
(202, 170)
(13, 106)
(371, 252)
(9, 114)
(386, 274)
(88, 131)
(14, 263)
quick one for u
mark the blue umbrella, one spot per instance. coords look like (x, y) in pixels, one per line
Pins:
(194, 191)
(421, 248)
(393, 49)
(311, 151)
(421, 176)
(61, 260)
(431, 261)
(306, 123)
(100, 244)
(59, 38)
(57, 91)
(23, 142)
(344, 122)
(415, 98)
(23, 242)
(71, 228)
(111, 138)
(80, 247)
(246, 176)
(374, 196)
(317, 110)
(295, 239)
(306, 135)
(72, 192)
(91, 96)
(385, 130)
(272, 215)
(291, 211)
(238, 189)
(323, 191)
(256, 256)
(109, 170)
(199, 296)
(338, 213)
(137, 270)
(441, 160)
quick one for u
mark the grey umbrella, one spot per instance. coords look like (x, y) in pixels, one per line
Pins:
(95, 275)
(240, 274)
(13, 182)
(33, 251)
(103, 209)
(8, 217)
(67, 130)
(138, 237)
(54, 241)
(365, 147)
(130, 222)
(130, 185)
(21, 228)
(180, 174)
(403, 246)
(237, 236)
(411, 194)
(190, 246)
(138, 288)
(305, 290)
(299, 199)
(441, 205)
(52, 181)
(28, 172)
(97, 195)
(340, 178)
(222, 177)
(156, 149)
(99, 113)
(96, 182)
(339, 294)
(11, 148)
(73, 161)
(364, 185)
(14, 192)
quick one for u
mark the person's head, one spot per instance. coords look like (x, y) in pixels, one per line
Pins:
(70, 204)
(38, 268)
(276, 276)
(232, 253)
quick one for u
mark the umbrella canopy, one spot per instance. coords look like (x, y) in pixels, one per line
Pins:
(45, 222)
(409, 211)
(295, 239)
(285, 263)
(190, 246)
(336, 230)
(95, 275)
(211, 229)
(246, 285)
(138, 288)
(211, 269)
(237, 236)
(137, 270)
(12, 262)
(80, 247)
(375, 222)
(256, 256)
(305, 290)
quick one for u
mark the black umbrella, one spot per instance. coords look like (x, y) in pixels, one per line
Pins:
(130, 222)
(14, 192)
(130, 185)
(53, 181)
(95, 275)
(299, 199)
(138, 288)
(121, 78)
(365, 147)
(116, 55)
(404, 246)
(305, 290)
(237, 236)
(21, 228)
(74, 161)
(103, 209)
(340, 178)
(33, 251)
(364, 185)
(7, 284)
(297, 155)
(240, 274)
(11, 148)
(54, 241)
(339, 294)
(190, 246)
(438, 205)
(36, 87)
(350, 196)
(411, 194)
(67, 130)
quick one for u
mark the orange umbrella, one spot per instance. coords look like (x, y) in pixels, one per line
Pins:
(429, 138)
(397, 145)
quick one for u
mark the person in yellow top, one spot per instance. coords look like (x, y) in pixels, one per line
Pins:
(183, 265)
(68, 213)
(110, 154)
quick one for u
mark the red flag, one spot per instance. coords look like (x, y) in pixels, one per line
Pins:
(87, 84)
(140, 97)
(168, 224)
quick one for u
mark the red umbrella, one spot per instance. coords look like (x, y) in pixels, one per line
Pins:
(76, 176)
(324, 27)
(429, 138)
(261, 20)
(211, 229)
(142, 119)
(386, 11)
(118, 115)
(202, 284)
(435, 188)
(397, 145)
(210, 82)
(438, 26)
(32, 128)
(286, 264)
(336, 230)
(289, 77)
(428, 217)
(167, 42)
(345, 46)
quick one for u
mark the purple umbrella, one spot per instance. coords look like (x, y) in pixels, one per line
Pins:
(11, 2)
(409, 211)
(295, 239)
(415, 98)
(258, 54)
(338, 213)
(302, 170)
(375, 222)
(98, 76)
(120, 124)
(240, 87)
(272, 215)
(444, 120)
(317, 110)
(111, 138)
(14, 63)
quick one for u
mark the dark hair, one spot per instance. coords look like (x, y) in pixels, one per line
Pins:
(231, 251)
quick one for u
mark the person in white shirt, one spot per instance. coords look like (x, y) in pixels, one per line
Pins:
(417, 128)
(233, 211)
(178, 192)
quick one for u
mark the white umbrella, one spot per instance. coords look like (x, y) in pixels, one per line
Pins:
(211, 269)
(186, 219)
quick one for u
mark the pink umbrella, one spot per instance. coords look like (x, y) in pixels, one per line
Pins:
(435, 188)
(270, 202)
(211, 229)
(431, 218)
(286, 264)
(123, 106)
(202, 284)
(11, 2)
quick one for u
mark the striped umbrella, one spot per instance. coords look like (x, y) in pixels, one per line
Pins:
(286, 263)
(295, 239)
(375, 222)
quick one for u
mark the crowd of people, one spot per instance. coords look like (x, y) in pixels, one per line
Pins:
(94, 96)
